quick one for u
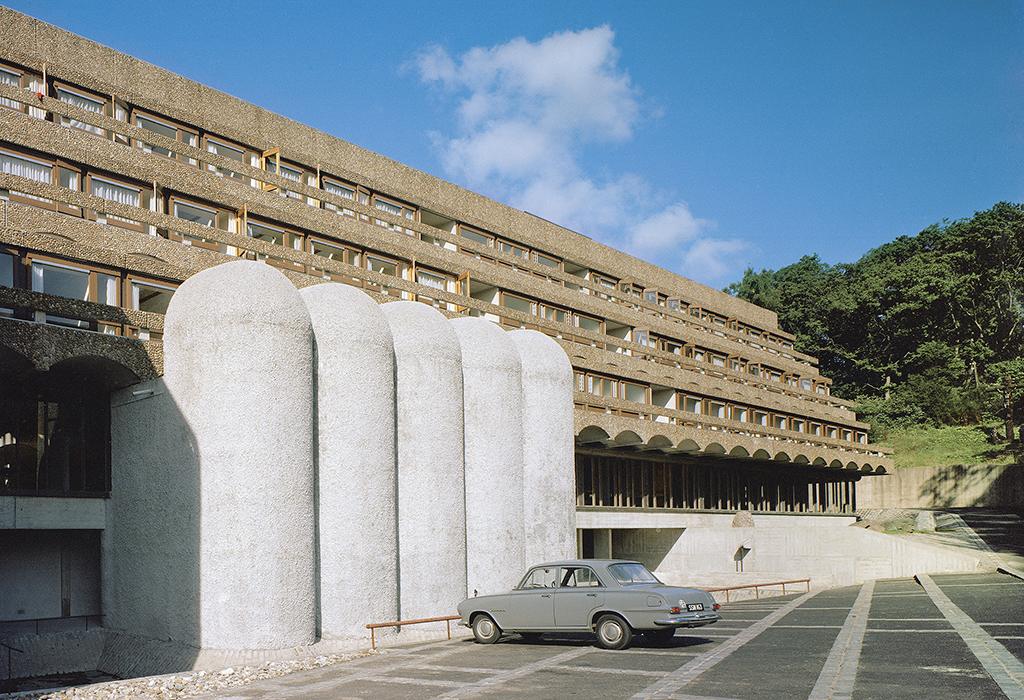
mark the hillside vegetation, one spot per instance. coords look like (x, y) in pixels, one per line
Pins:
(926, 331)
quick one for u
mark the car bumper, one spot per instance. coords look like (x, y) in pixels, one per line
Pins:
(694, 619)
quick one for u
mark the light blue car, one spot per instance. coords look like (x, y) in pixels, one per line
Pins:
(612, 598)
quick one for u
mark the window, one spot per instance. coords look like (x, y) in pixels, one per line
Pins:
(9, 76)
(589, 323)
(61, 281)
(628, 574)
(82, 101)
(236, 153)
(551, 313)
(382, 265)
(195, 213)
(118, 193)
(761, 418)
(716, 409)
(516, 303)
(431, 279)
(637, 393)
(167, 130)
(475, 236)
(674, 304)
(541, 577)
(6, 279)
(273, 234)
(798, 425)
(394, 208)
(579, 577)
(831, 432)
(740, 413)
(513, 249)
(333, 252)
(806, 384)
(779, 422)
(602, 386)
(150, 296)
(847, 435)
(339, 189)
(718, 361)
(30, 169)
(692, 404)
(548, 261)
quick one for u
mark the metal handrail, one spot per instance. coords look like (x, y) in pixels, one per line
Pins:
(374, 626)
(758, 586)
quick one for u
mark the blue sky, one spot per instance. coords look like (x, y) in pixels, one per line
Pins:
(703, 136)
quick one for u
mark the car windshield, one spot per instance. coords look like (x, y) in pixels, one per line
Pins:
(631, 574)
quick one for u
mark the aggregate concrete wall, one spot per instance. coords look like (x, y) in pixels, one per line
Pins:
(151, 544)
(356, 502)
(238, 354)
(492, 391)
(549, 474)
(957, 486)
(431, 480)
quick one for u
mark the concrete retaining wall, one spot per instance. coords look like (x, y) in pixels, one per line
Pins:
(45, 654)
(957, 486)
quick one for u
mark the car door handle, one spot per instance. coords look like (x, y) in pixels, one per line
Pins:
(545, 595)
(591, 595)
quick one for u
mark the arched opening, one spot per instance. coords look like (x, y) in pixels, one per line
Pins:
(55, 425)
(739, 451)
(592, 434)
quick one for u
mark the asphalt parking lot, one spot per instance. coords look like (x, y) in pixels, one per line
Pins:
(945, 636)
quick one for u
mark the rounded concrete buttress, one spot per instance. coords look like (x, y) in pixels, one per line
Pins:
(431, 483)
(492, 391)
(549, 471)
(238, 349)
(355, 384)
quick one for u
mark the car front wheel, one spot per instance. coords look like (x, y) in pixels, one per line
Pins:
(485, 630)
(613, 632)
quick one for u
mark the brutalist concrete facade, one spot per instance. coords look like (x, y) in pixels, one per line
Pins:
(134, 179)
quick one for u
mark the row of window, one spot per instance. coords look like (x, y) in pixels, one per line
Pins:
(272, 161)
(672, 399)
(209, 215)
(70, 280)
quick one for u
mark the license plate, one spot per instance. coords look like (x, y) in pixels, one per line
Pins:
(694, 606)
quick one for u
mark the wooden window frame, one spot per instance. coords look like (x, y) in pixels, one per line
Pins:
(180, 131)
(87, 95)
(230, 145)
(504, 293)
(400, 265)
(114, 219)
(490, 242)
(291, 239)
(92, 284)
(131, 279)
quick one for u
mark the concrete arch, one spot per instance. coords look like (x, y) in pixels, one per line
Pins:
(99, 370)
(549, 482)
(819, 462)
(357, 508)
(592, 434)
(659, 442)
(866, 468)
(492, 390)
(782, 457)
(738, 451)
(713, 448)
(688, 445)
(239, 348)
(852, 465)
(835, 464)
(801, 459)
(761, 454)
(431, 476)
(627, 438)
(881, 470)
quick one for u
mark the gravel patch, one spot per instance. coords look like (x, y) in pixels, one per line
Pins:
(190, 684)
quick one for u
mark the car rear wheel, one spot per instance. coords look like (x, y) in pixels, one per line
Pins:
(485, 630)
(613, 632)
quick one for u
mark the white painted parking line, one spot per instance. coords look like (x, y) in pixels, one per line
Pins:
(687, 673)
(401, 680)
(472, 689)
(612, 671)
(1018, 584)
(1005, 668)
(906, 619)
(807, 627)
(835, 682)
(912, 631)
(1006, 636)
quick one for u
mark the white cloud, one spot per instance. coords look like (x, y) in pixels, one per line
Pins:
(525, 115)
(713, 258)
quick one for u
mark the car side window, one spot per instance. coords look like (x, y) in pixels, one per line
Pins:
(541, 577)
(579, 577)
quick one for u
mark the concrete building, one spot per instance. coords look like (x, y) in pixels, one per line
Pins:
(119, 181)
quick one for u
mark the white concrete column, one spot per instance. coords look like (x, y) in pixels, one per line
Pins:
(355, 386)
(549, 472)
(431, 483)
(492, 391)
(238, 347)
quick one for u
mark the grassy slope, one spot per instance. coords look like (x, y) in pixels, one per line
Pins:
(932, 447)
